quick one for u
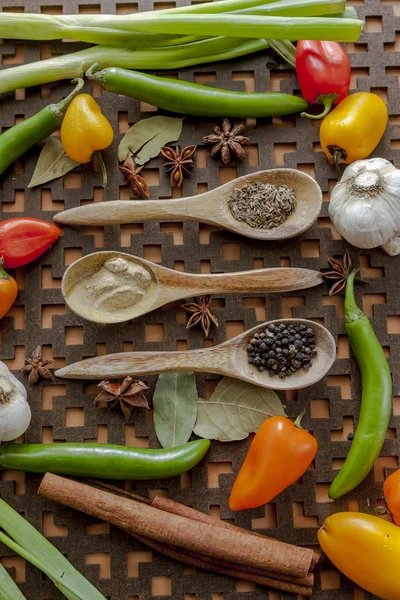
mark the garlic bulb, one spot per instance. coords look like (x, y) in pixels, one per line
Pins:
(15, 412)
(365, 205)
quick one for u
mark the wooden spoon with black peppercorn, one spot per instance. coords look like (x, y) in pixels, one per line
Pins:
(212, 207)
(231, 358)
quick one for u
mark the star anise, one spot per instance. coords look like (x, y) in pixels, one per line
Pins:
(37, 367)
(178, 163)
(132, 173)
(340, 272)
(201, 313)
(128, 394)
(226, 141)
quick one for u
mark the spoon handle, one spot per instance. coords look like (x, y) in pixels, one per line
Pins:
(258, 280)
(119, 212)
(148, 363)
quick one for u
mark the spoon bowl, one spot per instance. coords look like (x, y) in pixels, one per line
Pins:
(164, 286)
(211, 207)
(229, 359)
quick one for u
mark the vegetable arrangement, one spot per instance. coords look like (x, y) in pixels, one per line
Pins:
(364, 208)
(144, 40)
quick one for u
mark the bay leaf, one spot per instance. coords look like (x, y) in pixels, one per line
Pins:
(146, 137)
(235, 409)
(52, 163)
(175, 408)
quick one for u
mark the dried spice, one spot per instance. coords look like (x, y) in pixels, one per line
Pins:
(262, 205)
(127, 394)
(52, 163)
(175, 408)
(201, 313)
(226, 141)
(339, 274)
(37, 367)
(235, 409)
(178, 163)
(117, 285)
(202, 541)
(132, 173)
(282, 349)
(146, 137)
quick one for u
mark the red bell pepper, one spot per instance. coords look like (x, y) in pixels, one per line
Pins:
(323, 70)
(23, 239)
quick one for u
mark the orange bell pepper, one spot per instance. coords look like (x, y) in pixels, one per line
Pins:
(8, 290)
(279, 455)
(391, 489)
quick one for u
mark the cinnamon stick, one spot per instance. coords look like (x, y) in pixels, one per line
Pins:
(177, 508)
(307, 581)
(199, 563)
(184, 533)
(173, 507)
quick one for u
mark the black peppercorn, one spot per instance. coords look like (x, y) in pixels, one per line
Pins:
(282, 349)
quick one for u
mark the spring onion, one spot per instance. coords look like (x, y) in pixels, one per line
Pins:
(250, 26)
(75, 64)
(296, 8)
(8, 588)
(132, 30)
(25, 540)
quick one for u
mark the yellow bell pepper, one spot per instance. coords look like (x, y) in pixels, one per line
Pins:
(354, 128)
(366, 549)
(85, 130)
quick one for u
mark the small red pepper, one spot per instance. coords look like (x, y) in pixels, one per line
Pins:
(323, 70)
(23, 239)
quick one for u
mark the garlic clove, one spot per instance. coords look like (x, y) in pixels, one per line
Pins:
(392, 247)
(15, 412)
(15, 419)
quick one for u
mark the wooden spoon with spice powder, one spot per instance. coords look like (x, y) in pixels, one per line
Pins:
(213, 207)
(135, 286)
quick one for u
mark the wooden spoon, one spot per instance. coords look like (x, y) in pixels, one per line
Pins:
(168, 285)
(210, 207)
(228, 359)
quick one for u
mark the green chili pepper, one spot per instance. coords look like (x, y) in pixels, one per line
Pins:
(192, 99)
(104, 461)
(376, 400)
(19, 139)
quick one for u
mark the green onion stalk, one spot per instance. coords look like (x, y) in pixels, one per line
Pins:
(252, 26)
(124, 30)
(75, 64)
(296, 8)
(32, 26)
(8, 588)
(116, 30)
(25, 540)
